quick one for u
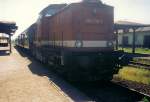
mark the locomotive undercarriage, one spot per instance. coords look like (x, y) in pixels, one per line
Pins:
(80, 66)
(91, 66)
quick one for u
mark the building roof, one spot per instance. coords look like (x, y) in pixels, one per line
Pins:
(143, 29)
(127, 23)
(7, 27)
(126, 26)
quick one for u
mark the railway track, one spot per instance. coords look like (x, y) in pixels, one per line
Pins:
(110, 92)
(134, 90)
(139, 65)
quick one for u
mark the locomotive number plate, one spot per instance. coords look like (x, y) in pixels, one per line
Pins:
(93, 21)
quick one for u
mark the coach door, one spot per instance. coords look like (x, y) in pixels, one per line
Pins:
(147, 41)
(125, 41)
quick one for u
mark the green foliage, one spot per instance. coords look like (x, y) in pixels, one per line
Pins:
(142, 60)
(145, 99)
(137, 50)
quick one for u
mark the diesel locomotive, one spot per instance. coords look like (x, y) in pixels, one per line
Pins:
(79, 38)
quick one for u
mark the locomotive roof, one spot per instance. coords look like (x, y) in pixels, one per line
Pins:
(52, 7)
(74, 4)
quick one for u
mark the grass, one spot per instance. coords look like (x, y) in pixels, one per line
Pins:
(145, 99)
(135, 74)
(142, 60)
(137, 50)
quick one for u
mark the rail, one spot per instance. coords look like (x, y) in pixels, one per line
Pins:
(134, 90)
(139, 65)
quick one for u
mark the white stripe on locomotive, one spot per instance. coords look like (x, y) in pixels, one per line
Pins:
(71, 43)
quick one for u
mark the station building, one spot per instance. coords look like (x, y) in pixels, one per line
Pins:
(142, 38)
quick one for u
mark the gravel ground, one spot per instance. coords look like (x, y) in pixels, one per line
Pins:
(109, 92)
(133, 85)
(24, 80)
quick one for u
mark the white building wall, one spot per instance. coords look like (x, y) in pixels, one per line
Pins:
(120, 37)
(139, 40)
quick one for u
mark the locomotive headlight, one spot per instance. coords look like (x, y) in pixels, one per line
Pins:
(78, 43)
(110, 44)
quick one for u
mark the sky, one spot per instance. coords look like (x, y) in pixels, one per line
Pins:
(25, 12)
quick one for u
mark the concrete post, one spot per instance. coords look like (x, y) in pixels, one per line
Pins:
(10, 43)
(116, 39)
(133, 42)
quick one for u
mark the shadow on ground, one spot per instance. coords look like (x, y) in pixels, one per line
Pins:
(101, 91)
(43, 70)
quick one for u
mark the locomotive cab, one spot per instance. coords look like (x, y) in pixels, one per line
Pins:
(93, 26)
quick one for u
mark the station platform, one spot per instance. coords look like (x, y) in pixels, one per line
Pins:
(22, 79)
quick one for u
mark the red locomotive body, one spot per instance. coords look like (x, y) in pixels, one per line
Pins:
(79, 27)
(78, 36)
